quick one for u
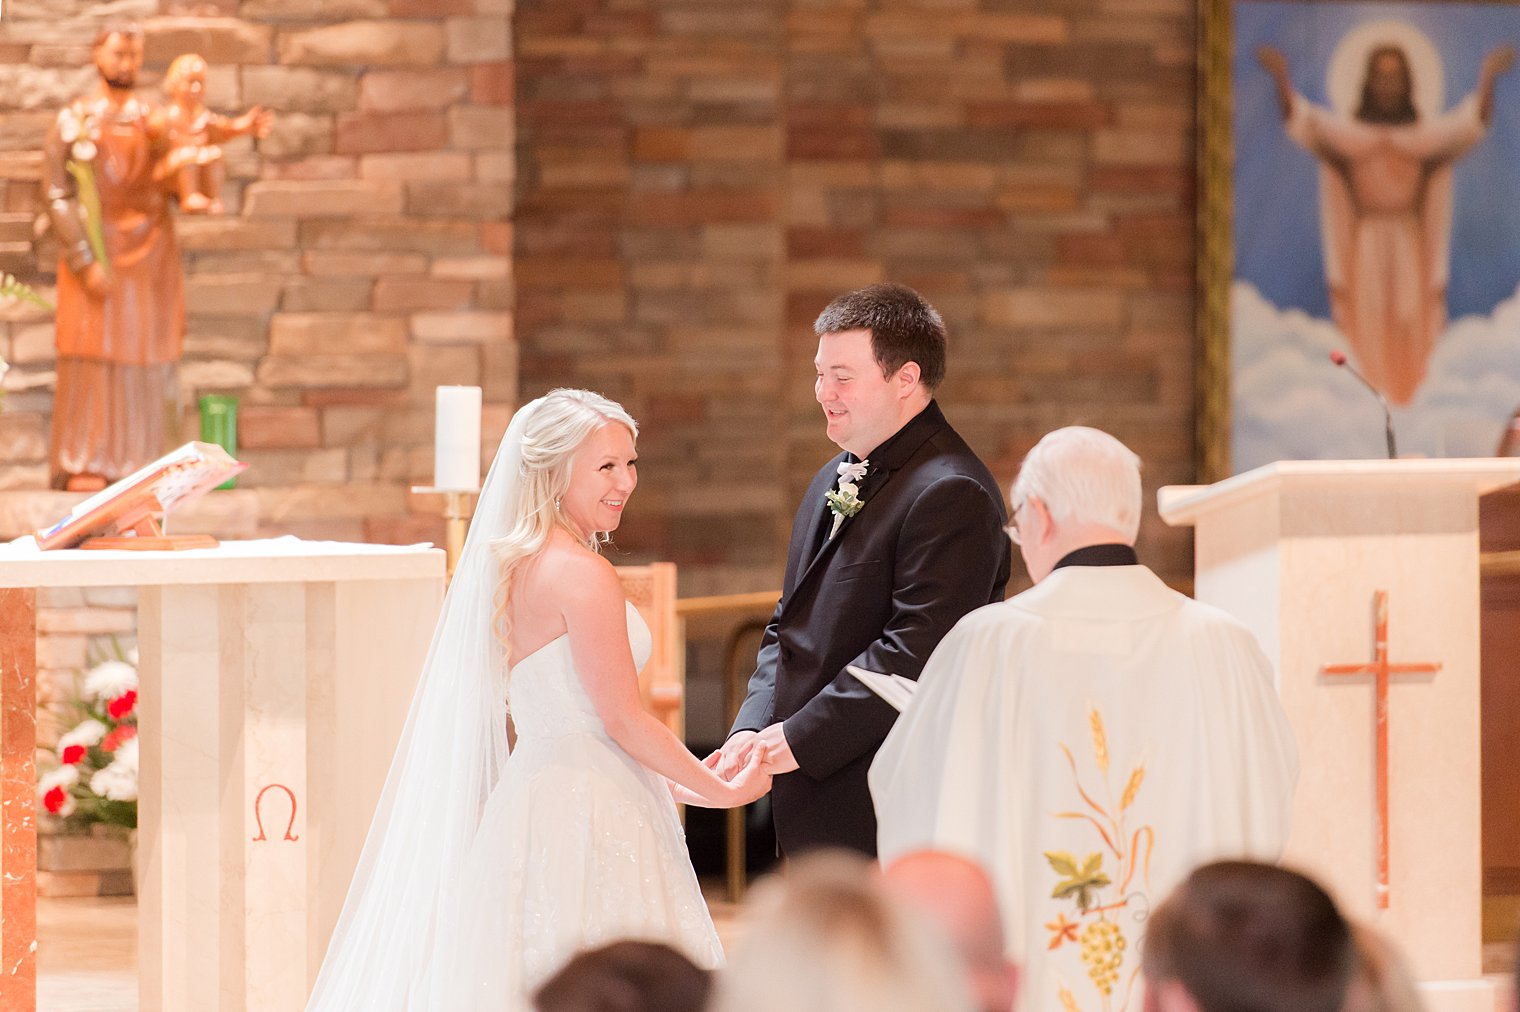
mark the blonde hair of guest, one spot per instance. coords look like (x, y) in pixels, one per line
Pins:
(824, 937)
(560, 424)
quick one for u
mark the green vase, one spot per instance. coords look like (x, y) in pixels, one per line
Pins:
(219, 426)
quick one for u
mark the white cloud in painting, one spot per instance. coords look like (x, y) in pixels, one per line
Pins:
(1291, 403)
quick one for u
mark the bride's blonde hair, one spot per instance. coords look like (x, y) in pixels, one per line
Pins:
(558, 427)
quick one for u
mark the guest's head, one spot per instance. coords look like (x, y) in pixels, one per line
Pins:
(881, 355)
(1077, 487)
(1240, 935)
(958, 895)
(626, 976)
(824, 937)
(1381, 981)
(185, 80)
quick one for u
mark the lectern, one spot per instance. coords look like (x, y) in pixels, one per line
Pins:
(275, 679)
(1360, 580)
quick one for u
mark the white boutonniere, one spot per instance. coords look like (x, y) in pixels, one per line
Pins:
(845, 500)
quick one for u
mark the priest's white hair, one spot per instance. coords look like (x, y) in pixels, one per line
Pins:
(1083, 475)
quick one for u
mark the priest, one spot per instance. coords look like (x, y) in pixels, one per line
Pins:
(1090, 740)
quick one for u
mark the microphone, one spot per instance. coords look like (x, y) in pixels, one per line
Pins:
(1339, 358)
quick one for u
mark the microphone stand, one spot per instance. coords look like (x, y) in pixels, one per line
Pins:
(1340, 360)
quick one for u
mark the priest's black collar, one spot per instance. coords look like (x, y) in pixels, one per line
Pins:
(902, 444)
(1100, 555)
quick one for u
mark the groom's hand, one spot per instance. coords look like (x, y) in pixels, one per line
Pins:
(778, 754)
(730, 759)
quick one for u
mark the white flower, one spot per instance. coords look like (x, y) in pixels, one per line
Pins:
(88, 732)
(118, 781)
(109, 679)
(83, 150)
(126, 755)
(63, 776)
(68, 125)
(849, 489)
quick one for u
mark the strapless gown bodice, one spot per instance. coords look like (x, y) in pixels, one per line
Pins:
(546, 696)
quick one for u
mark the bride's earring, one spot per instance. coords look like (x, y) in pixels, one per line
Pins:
(556, 504)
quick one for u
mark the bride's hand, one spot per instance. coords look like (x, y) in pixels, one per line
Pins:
(751, 783)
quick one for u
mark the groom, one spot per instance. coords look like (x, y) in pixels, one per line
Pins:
(895, 540)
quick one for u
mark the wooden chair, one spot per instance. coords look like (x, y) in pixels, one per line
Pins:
(662, 683)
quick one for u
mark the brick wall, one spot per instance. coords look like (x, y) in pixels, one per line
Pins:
(699, 179)
(364, 259)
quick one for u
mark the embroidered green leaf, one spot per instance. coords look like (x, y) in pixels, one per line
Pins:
(1062, 862)
(1092, 864)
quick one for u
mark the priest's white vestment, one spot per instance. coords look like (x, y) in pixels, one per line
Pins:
(1090, 741)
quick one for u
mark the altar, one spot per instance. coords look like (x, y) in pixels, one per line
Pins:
(275, 676)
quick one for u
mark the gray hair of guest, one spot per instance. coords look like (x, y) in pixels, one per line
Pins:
(1083, 475)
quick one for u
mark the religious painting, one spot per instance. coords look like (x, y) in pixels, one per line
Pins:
(1360, 239)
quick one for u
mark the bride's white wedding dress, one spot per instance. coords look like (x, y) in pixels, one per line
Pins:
(578, 845)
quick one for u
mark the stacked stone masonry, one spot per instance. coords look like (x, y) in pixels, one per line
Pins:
(364, 258)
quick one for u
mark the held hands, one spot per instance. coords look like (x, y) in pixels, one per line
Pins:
(750, 784)
(736, 752)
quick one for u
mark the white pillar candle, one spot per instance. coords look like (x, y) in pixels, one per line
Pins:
(456, 441)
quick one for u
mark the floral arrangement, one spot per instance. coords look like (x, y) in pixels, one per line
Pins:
(845, 501)
(93, 774)
(79, 128)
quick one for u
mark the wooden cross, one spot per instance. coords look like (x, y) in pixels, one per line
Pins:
(1381, 670)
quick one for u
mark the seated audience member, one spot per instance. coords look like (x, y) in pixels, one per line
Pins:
(957, 894)
(1239, 935)
(1382, 982)
(823, 936)
(1088, 741)
(628, 976)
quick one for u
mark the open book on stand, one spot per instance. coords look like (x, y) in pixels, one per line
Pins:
(895, 689)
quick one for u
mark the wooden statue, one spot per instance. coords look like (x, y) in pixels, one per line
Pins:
(121, 307)
(195, 132)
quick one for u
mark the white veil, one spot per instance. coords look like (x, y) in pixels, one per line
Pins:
(447, 761)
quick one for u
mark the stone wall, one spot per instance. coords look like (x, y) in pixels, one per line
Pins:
(364, 258)
(698, 179)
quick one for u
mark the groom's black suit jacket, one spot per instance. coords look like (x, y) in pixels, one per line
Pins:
(926, 548)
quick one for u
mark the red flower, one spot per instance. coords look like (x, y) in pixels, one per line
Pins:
(122, 704)
(72, 754)
(53, 800)
(119, 734)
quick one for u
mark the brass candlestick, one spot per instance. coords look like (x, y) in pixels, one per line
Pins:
(457, 509)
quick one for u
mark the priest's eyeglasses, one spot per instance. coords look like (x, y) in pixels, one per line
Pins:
(1013, 526)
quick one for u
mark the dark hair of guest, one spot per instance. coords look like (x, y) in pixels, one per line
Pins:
(1240, 935)
(626, 976)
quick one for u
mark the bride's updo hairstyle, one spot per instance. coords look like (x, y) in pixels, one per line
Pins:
(563, 420)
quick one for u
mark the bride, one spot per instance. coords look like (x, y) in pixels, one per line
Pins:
(483, 873)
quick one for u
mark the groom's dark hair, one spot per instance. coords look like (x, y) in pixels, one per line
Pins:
(904, 328)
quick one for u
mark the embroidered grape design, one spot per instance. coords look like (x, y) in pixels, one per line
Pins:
(1103, 952)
